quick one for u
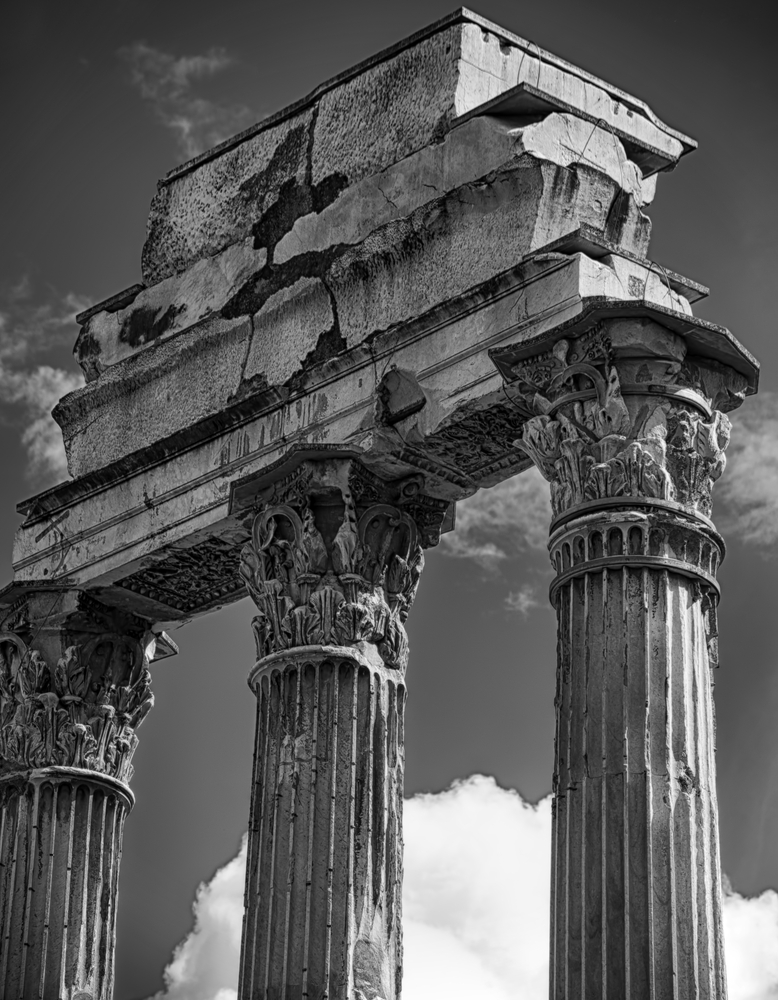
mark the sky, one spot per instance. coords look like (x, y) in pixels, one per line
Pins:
(98, 101)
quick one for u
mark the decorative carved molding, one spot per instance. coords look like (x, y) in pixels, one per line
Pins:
(589, 444)
(82, 713)
(193, 578)
(478, 440)
(337, 566)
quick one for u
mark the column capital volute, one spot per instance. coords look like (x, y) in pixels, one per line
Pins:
(624, 411)
(74, 685)
(335, 558)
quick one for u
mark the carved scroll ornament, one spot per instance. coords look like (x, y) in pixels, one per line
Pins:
(589, 445)
(359, 587)
(82, 713)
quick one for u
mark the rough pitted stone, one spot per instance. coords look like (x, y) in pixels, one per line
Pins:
(286, 331)
(166, 309)
(208, 209)
(333, 567)
(111, 416)
(303, 158)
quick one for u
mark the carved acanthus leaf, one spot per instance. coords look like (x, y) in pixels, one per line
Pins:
(589, 445)
(83, 712)
(356, 587)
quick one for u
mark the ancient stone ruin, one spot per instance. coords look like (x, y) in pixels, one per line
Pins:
(412, 284)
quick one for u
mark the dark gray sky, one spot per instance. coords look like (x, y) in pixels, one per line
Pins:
(81, 155)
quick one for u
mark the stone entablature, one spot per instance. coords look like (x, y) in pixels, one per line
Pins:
(309, 236)
(175, 500)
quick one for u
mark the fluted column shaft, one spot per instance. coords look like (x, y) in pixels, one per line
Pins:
(333, 567)
(324, 881)
(635, 857)
(60, 841)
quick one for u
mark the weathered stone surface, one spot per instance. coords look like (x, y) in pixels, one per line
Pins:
(168, 308)
(210, 208)
(287, 330)
(61, 833)
(405, 287)
(305, 156)
(140, 401)
(597, 186)
(411, 101)
(494, 61)
(148, 397)
(636, 883)
(466, 238)
(469, 152)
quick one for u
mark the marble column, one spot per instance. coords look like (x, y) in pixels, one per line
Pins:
(74, 686)
(629, 431)
(333, 568)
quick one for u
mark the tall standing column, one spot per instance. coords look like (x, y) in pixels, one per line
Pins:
(627, 430)
(333, 568)
(74, 686)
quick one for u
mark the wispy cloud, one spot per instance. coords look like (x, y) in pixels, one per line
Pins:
(503, 521)
(748, 490)
(475, 920)
(31, 326)
(523, 600)
(167, 83)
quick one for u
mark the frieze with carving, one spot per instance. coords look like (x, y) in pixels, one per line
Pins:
(194, 578)
(81, 712)
(349, 580)
(590, 444)
(474, 441)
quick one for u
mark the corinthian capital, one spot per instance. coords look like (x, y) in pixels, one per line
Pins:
(333, 562)
(623, 412)
(81, 711)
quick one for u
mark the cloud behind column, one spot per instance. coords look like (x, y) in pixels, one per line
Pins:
(476, 909)
(748, 490)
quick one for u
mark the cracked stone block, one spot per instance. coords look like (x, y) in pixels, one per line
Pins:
(206, 209)
(153, 394)
(287, 330)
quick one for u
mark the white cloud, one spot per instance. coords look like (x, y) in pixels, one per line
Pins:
(476, 909)
(502, 521)
(36, 392)
(29, 390)
(166, 82)
(748, 490)
(205, 964)
(476, 897)
(523, 600)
